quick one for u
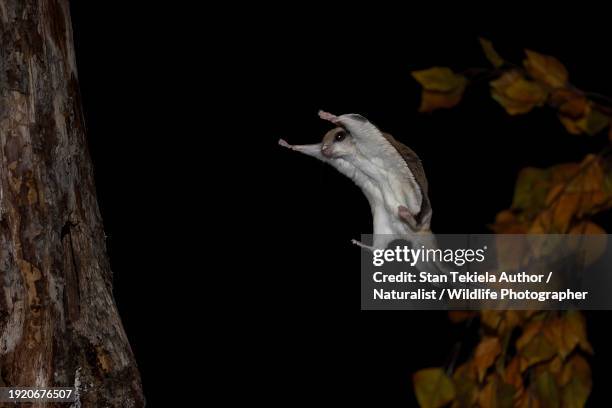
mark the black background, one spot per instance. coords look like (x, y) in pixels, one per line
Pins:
(144, 84)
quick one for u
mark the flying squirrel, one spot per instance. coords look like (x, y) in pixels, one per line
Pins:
(389, 173)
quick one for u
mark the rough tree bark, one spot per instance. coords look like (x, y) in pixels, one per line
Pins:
(59, 325)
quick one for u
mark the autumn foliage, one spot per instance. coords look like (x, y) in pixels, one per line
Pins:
(527, 358)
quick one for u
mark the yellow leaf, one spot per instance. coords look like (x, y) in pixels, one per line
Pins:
(513, 318)
(567, 332)
(496, 394)
(531, 189)
(546, 69)
(528, 314)
(575, 366)
(439, 79)
(550, 200)
(594, 122)
(490, 53)
(488, 396)
(528, 400)
(509, 319)
(574, 107)
(442, 88)
(491, 318)
(433, 388)
(526, 91)
(547, 390)
(506, 222)
(570, 125)
(542, 224)
(555, 366)
(595, 247)
(466, 370)
(559, 96)
(486, 353)
(431, 100)
(499, 321)
(458, 316)
(563, 207)
(533, 346)
(563, 172)
(577, 387)
(591, 122)
(591, 178)
(516, 94)
(590, 183)
(555, 333)
(506, 80)
(512, 373)
(607, 180)
(575, 324)
(466, 387)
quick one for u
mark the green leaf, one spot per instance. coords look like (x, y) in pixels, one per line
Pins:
(533, 346)
(531, 189)
(433, 388)
(595, 122)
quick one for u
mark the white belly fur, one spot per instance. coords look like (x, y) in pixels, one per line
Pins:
(385, 193)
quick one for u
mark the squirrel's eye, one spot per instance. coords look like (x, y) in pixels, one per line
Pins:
(340, 136)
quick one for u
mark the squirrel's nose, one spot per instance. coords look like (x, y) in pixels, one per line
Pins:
(326, 150)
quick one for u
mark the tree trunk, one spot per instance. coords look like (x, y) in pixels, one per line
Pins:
(59, 325)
